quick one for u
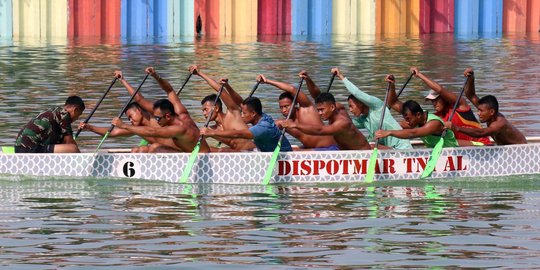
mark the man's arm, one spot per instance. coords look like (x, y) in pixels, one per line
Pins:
(139, 98)
(492, 130)
(370, 101)
(470, 89)
(431, 127)
(448, 96)
(117, 132)
(179, 108)
(148, 131)
(231, 133)
(393, 101)
(313, 89)
(331, 129)
(302, 99)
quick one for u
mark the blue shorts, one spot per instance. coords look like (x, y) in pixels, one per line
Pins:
(332, 147)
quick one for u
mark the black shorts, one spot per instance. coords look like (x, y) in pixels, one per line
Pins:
(38, 149)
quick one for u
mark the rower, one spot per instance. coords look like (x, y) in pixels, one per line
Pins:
(305, 113)
(443, 102)
(138, 117)
(423, 124)
(50, 131)
(232, 119)
(498, 127)
(340, 125)
(263, 131)
(367, 111)
(173, 120)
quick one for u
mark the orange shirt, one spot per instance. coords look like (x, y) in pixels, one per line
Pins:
(465, 118)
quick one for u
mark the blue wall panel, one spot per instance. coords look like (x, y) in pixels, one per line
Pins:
(144, 18)
(312, 17)
(491, 14)
(181, 18)
(6, 19)
(466, 16)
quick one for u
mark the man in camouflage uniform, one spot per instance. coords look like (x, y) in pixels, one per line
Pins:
(50, 131)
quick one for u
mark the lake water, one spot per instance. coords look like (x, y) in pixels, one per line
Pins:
(87, 223)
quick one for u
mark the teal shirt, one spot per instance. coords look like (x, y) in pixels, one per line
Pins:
(372, 120)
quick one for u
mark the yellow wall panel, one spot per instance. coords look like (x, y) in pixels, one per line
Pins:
(398, 16)
(39, 18)
(238, 18)
(351, 17)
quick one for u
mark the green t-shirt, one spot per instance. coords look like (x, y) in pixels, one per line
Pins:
(431, 140)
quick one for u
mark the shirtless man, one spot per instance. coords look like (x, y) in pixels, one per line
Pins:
(443, 102)
(424, 125)
(173, 119)
(232, 119)
(138, 117)
(340, 126)
(498, 127)
(305, 113)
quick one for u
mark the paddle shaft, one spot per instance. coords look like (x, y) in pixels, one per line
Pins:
(95, 108)
(404, 85)
(456, 105)
(254, 88)
(184, 84)
(272, 163)
(191, 161)
(383, 112)
(331, 82)
(122, 112)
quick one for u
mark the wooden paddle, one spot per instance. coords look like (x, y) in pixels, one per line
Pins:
(191, 161)
(373, 159)
(95, 108)
(121, 112)
(275, 155)
(436, 153)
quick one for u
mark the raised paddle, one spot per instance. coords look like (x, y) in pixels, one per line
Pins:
(373, 159)
(436, 153)
(121, 112)
(191, 161)
(273, 161)
(95, 108)
(403, 87)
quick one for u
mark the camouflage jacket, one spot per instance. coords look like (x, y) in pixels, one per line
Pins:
(48, 127)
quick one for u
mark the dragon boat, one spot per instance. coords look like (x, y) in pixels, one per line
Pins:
(291, 167)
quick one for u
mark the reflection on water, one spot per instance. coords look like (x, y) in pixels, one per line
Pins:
(119, 223)
(36, 74)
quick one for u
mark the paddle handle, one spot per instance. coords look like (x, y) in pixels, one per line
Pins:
(331, 82)
(95, 108)
(254, 88)
(404, 85)
(456, 104)
(184, 84)
(292, 107)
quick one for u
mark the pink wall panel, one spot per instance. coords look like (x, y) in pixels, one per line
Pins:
(208, 10)
(274, 17)
(94, 18)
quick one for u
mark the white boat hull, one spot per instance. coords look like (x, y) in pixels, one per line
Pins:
(294, 167)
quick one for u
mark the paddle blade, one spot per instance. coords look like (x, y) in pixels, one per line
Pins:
(102, 140)
(272, 164)
(191, 161)
(432, 161)
(8, 150)
(371, 166)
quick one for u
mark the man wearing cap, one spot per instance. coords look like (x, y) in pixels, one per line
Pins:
(443, 102)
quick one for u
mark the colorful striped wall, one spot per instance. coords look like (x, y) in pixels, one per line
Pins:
(235, 18)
